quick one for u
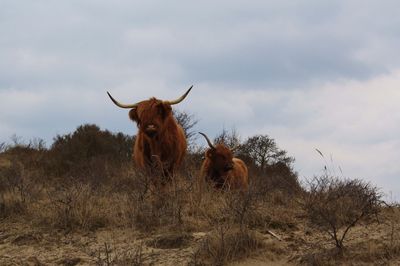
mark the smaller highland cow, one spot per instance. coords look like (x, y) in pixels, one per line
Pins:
(221, 168)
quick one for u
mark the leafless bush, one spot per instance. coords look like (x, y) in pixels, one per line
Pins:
(10, 205)
(392, 247)
(153, 204)
(241, 206)
(16, 187)
(261, 150)
(378, 246)
(170, 240)
(230, 139)
(188, 122)
(15, 180)
(75, 206)
(336, 205)
(255, 208)
(112, 256)
(20, 171)
(226, 244)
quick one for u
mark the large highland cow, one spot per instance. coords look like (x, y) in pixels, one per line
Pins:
(222, 169)
(160, 144)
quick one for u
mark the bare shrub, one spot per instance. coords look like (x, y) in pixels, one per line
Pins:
(155, 205)
(21, 170)
(336, 205)
(188, 122)
(262, 151)
(255, 208)
(75, 206)
(15, 180)
(170, 240)
(241, 207)
(230, 214)
(206, 206)
(16, 187)
(377, 246)
(142, 211)
(230, 139)
(226, 244)
(392, 246)
(112, 256)
(10, 205)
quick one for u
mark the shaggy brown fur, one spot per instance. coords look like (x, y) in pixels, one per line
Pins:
(223, 170)
(160, 142)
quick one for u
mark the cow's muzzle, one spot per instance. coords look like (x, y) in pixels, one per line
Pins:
(151, 131)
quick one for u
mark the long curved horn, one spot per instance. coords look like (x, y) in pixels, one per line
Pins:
(180, 98)
(208, 141)
(121, 104)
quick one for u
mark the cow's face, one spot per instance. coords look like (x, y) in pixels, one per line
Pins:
(221, 157)
(150, 116)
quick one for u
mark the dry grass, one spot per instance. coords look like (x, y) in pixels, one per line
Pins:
(112, 256)
(170, 240)
(40, 204)
(226, 244)
(76, 206)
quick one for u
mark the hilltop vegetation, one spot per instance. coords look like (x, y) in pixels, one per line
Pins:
(82, 195)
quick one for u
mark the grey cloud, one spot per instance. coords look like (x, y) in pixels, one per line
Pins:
(259, 66)
(257, 44)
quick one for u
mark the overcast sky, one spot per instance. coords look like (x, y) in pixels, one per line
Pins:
(310, 74)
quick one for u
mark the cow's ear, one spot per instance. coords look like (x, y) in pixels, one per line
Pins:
(133, 115)
(164, 109)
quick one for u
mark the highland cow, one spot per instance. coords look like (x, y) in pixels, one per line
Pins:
(160, 144)
(222, 169)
